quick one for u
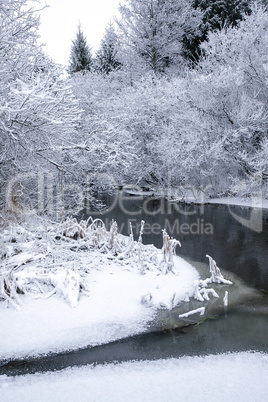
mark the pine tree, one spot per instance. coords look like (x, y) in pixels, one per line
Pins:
(80, 58)
(223, 13)
(217, 14)
(106, 57)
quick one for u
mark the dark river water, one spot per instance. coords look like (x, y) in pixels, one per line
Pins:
(201, 229)
(240, 248)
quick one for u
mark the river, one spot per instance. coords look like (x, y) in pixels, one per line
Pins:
(202, 229)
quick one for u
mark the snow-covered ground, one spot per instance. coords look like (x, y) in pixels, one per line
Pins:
(58, 293)
(254, 203)
(68, 286)
(233, 377)
(111, 311)
(73, 285)
(258, 198)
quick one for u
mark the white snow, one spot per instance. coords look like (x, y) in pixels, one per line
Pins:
(116, 299)
(112, 310)
(225, 299)
(236, 377)
(257, 202)
(243, 202)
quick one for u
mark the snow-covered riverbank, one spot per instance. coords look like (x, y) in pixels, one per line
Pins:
(64, 294)
(71, 285)
(255, 202)
(242, 202)
(111, 311)
(234, 377)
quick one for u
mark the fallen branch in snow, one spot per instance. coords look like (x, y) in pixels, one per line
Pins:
(201, 292)
(200, 310)
(216, 276)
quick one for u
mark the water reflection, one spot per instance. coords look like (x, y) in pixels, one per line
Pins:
(201, 229)
(235, 247)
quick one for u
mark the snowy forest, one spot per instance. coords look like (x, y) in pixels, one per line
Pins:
(175, 96)
(169, 114)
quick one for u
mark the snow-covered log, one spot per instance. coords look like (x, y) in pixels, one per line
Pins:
(200, 310)
(205, 293)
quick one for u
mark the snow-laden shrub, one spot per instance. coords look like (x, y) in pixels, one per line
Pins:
(58, 259)
(48, 261)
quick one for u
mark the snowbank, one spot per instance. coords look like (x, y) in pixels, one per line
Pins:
(113, 310)
(114, 284)
(233, 377)
(258, 203)
(74, 285)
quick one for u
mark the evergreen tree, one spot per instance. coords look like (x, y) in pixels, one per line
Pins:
(106, 57)
(223, 13)
(217, 14)
(80, 58)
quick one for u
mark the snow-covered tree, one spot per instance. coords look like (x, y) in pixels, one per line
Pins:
(80, 58)
(208, 129)
(108, 155)
(106, 59)
(230, 92)
(223, 13)
(154, 30)
(38, 111)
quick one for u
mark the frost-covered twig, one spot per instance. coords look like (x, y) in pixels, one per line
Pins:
(71, 228)
(169, 247)
(216, 276)
(197, 294)
(205, 293)
(225, 299)
(130, 247)
(140, 259)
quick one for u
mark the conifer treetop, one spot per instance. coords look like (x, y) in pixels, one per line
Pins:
(80, 58)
